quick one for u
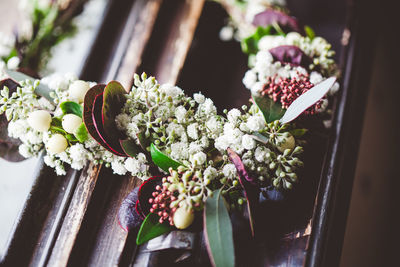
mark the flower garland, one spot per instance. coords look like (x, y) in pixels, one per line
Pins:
(189, 155)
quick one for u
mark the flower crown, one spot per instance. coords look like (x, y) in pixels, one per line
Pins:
(189, 155)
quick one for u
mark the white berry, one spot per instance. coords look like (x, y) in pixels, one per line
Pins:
(288, 143)
(40, 120)
(183, 217)
(78, 89)
(71, 122)
(56, 144)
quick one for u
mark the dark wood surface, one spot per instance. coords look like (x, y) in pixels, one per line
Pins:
(177, 41)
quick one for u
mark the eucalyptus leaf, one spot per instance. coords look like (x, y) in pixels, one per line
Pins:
(151, 228)
(260, 138)
(161, 160)
(218, 231)
(41, 89)
(271, 110)
(81, 133)
(70, 107)
(306, 100)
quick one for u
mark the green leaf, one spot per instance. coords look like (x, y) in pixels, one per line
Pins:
(81, 133)
(41, 89)
(309, 32)
(56, 126)
(250, 43)
(218, 231)
(70, 107)
(271, 110)
(130, 147)
(298, 132)
(161, 160)
(151, 228)
(71, 138)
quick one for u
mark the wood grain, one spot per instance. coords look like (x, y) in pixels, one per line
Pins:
(74, 216)
(140, 24)
(180, 37)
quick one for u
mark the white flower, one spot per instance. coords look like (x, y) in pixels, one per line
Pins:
(77, 152)
(118, 167)
(233, 115)
(315, 77)
(229, 171)
(260, 154)
(179, 150)
(226, 33)
(214, 126)
(175, 129)
(255, 123)
(171, 90)
(210, 173)
(248, 142)
(249, 79)
(192, 131)
(198, 159)
(180, 114)
(207, 108)
(199, 98)
(25, 151)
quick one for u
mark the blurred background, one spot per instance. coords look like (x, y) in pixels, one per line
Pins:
(371, 232)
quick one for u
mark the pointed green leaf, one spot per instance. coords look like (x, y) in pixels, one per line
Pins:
(81, 133)
(218, 231)
(271, 110)
(70, 107)
(130, 147)
(161, 160)
(309, 32)
(151, 228)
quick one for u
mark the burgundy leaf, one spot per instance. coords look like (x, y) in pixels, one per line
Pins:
(251, 191)
(270, 16)
(108, 143)
(88, 104)
(128, 217)
(291, 54)
(145, 193)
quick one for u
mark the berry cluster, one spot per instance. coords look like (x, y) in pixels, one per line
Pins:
(161, 204)
(287, 90)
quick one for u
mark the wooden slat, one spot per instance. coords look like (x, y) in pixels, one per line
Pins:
(140, 24)
(174, 51)
(74, 216)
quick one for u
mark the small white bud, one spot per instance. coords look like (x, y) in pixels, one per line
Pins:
(183, 217)
(78, 89)
(56, 144)
(71, 122)
(39, 120)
